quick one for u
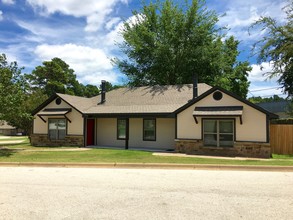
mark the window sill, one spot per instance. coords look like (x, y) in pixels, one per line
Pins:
(149, 139)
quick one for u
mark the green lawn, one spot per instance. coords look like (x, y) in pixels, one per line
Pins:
(24, 152)
(12, 138)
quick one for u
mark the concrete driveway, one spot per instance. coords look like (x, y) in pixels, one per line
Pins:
(88, 193)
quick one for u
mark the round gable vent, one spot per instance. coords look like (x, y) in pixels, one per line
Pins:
(217, 96)
(58, 101)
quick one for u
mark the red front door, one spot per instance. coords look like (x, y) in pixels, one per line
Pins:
(90, 132)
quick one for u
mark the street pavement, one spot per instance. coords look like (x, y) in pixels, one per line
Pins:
(91, 193)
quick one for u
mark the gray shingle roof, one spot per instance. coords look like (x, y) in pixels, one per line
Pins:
(147, 99)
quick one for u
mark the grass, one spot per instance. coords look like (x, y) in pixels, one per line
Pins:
(24, 152)
(13, 138)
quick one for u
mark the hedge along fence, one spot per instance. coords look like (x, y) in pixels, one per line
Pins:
(281, 136)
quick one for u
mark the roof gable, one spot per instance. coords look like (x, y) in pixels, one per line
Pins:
(216, 88)
(51, 99)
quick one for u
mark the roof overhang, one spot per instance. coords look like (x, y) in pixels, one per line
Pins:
(54, 112)
(216, 111)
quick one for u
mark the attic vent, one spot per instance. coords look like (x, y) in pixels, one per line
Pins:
(217, 96)
(58, 101)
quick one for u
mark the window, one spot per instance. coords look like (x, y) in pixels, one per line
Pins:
(58, 101)
(122, 128)
(57, 129)
(149, 129)
(217, 96)
(218, 133)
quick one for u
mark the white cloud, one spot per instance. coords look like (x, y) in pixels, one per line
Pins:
(239, 15)
(95, 11)
(266, 90)
(91, 65)
(261, 85)
(46, 32)
(112, 23)
(260, 72)
(1, 15)
(115, 36)
(8, 2)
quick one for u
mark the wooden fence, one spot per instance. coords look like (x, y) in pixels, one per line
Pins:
(281, 138)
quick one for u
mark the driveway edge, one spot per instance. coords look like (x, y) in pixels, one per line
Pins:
(150, 166)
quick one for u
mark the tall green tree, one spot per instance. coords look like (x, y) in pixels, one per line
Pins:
(90, 90)
(168, 43)
(276, 47)
(55, 76)
(13, 88)
(110, 87)
(231, 74)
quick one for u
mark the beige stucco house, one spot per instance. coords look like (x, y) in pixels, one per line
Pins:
(196, 119)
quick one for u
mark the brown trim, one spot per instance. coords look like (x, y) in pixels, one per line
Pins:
(127, 134)
(132, 115)
(268, 130)
(42, 119)
(176, 127)
(143, 138)
(84, 131)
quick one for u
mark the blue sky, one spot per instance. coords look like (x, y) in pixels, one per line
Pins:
(83, 34)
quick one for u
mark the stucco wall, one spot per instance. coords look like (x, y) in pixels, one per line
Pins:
(252, 129)
(165, 134)
(107, 133)
(73, 128)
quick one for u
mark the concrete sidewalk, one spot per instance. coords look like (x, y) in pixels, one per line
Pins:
(151, 166)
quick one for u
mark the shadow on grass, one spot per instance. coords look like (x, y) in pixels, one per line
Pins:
(14, 144)
(7, 152)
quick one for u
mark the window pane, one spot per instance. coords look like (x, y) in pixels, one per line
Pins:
(121, 123)
(149, 124)
(210, 126)
(149, 134)
(53, 134)
(53, 124)
(226, 140)
(149, 129)
(61, 124)
(226, 126)
(210, 139)
(61, 134)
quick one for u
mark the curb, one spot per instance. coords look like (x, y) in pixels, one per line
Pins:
(151, 166)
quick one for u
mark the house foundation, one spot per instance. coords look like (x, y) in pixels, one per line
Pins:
(43, 140)
(240, 149)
